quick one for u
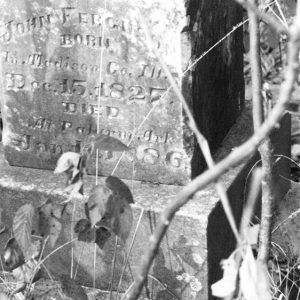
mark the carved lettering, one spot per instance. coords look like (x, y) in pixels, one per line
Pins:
(112, 67)
(151, 156)
(22, 142)
(65, 125)
(34, 59)
(112, 112)
(136, 93)
(55, 149)
(117, 90)
(10, 58)
(40, 124)
(174, 159)
(150, 71)
(80, 130)
(14, 81)
(66, 13)
(40, 147)
(69, 107)
(65, 90)
(13, 28)
(68, 40)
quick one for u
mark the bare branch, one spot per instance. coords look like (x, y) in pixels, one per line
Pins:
(256, 73)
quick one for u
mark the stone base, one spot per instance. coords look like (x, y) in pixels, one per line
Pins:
(198, 238)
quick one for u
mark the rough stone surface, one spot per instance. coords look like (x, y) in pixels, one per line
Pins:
(198, 238)
(59, 57)
(182, 254)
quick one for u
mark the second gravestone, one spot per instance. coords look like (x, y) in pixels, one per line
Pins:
(71, 69)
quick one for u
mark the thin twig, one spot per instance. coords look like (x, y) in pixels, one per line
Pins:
(256, 73)
(283, 18)
(237, 156)
(164, 286)
(253, 194)
(278, 26)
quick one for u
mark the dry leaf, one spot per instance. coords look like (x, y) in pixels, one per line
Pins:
(88, 234)
(254, 280)
(67, 161)
(102, 236)
(84, 230)
(13, 255)
(108, 209)
(226, 286)
(22, 226)
(119, 187)
(97, 203)
(49, 221)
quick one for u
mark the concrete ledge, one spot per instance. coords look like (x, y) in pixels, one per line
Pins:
(198, 238)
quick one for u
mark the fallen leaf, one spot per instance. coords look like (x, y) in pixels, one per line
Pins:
(84, 231)
(22, 226)
(123, 213)
(13, 255)
(108, 210)
(97, 202)
(119, 187)
(226, 286)
(254, 280)
(49, 221)
(102, 236)
(67, 161)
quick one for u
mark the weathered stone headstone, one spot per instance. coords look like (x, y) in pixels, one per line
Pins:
(69, 67)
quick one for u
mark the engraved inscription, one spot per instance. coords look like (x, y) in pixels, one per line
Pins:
(14, 81)
(67, 67)
(174, 159)
(151, 156)
(13, 28)
(78, 87)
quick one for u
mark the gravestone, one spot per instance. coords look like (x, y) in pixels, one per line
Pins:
(72, 69)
